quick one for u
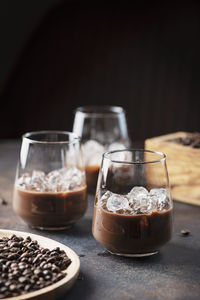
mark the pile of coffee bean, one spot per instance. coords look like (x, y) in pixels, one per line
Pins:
(27, 267)
(192, 140)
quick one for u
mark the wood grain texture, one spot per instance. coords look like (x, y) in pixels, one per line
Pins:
(183, 163)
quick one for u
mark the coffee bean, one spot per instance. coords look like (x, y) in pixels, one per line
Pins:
(5, 268)
(38, 272)
(27, 287)
(37, 258)
(14, 250)
(16, 274)
(42, 264)
(60, 276)
(46, 272)
(47, 266)
(20, 286)
(12, 287)
(13, 256)
(3, 201)
(26, 272)
(185, 232)
(4, 276)
(15, 245)
(55, 269)
(14, 265)
(22, 279)
(8, 283)
(26, 267)
(44, 250)
(51, 260)
(53, 253)
(47, 277)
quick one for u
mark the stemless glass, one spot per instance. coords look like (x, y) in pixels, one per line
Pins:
(133, 205)
(101, 128)
(50, 187)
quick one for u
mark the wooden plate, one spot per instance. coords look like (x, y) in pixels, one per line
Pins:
(59, 288)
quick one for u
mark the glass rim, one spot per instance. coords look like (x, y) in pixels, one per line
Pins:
(100, 110)
(163, 156)
(28, 137)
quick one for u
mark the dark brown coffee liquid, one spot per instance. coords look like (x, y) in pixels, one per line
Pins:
(132, 234)
(92, 173)
(50, 210)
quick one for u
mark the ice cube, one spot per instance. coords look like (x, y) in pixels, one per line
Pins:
(159, 198)
(158, 192)
(64, 179)
(117, 202)
(24, 181)
(73, 176)
(37, 181)
(126, 211)
(53, 181)
(116, 146)
(92, 152)
(36, 174)
(137, 193)
(140, 200)
(142, 206)
(103, 200)
(53, 176)
(60, 180)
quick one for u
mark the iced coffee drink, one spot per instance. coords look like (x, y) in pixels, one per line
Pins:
(51, 201)
(101, 128)
(133, 211)
(50, 187)
(138, 223)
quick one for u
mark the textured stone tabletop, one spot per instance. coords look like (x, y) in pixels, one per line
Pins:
(174, 273)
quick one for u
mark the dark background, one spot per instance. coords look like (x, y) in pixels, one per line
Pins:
(57, 55)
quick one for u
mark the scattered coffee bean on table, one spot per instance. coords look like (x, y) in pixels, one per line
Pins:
(3, 201)
(27, 267)
(185, 232)
(193, 140)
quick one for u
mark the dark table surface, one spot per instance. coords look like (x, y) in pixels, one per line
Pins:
(174, 273)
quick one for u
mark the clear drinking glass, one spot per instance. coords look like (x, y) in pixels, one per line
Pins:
(133, 205)
(101, 128)
(50, 187)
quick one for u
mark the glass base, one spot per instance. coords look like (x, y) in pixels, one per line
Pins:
(134, 255)
(52, 228)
